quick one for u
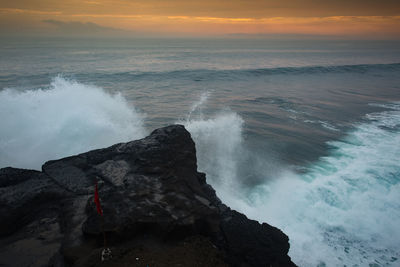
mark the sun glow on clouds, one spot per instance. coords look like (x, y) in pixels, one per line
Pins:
(158, 17)
(335, 25)
(28, 11)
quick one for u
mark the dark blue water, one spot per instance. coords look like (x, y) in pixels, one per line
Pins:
(302, 134)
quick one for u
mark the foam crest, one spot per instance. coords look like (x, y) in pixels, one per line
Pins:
(345, 209)
(343, 212)
(63, 120)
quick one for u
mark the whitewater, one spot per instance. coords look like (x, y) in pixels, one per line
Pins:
(64, 119)
(341, 210)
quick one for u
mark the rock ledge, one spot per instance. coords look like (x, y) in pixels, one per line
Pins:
(155, 203)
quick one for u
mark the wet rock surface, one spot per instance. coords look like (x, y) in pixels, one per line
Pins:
(152, 196)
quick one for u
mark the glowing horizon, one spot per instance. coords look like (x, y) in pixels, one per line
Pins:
(349, 19)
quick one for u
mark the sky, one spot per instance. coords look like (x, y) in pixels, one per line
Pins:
(373, 19)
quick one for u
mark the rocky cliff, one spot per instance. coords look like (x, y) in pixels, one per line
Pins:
(158, 211)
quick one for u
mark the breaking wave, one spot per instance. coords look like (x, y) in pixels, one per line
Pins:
(346, 206)
(65, 119)
(344, 211)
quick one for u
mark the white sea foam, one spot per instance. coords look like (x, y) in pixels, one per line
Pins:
(63, 120)
(344, 211)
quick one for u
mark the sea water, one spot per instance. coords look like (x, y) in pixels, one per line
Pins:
(302, 134)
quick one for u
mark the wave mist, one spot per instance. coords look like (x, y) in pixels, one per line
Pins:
(65, 119)
(343, 211)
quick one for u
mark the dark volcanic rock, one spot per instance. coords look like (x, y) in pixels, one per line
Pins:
(30, 228)
(25, 195)
(150, 190)
(253, 243)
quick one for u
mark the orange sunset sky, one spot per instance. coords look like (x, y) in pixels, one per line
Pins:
(347, 18)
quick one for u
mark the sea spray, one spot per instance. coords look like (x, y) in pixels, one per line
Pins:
(343, 211)
(197, 106)
(219, 144)
(65, 119)
(218, 140)
(346, 207)
(231, 168)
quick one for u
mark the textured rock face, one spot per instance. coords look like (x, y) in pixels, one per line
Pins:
(149, 189)
(30, 228)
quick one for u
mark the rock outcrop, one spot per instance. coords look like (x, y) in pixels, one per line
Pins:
(155, 204)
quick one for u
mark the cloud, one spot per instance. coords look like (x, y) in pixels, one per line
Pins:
(28, 11)
(77, 26)
(81, 28)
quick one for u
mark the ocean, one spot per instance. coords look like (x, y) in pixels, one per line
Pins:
(302, 134)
